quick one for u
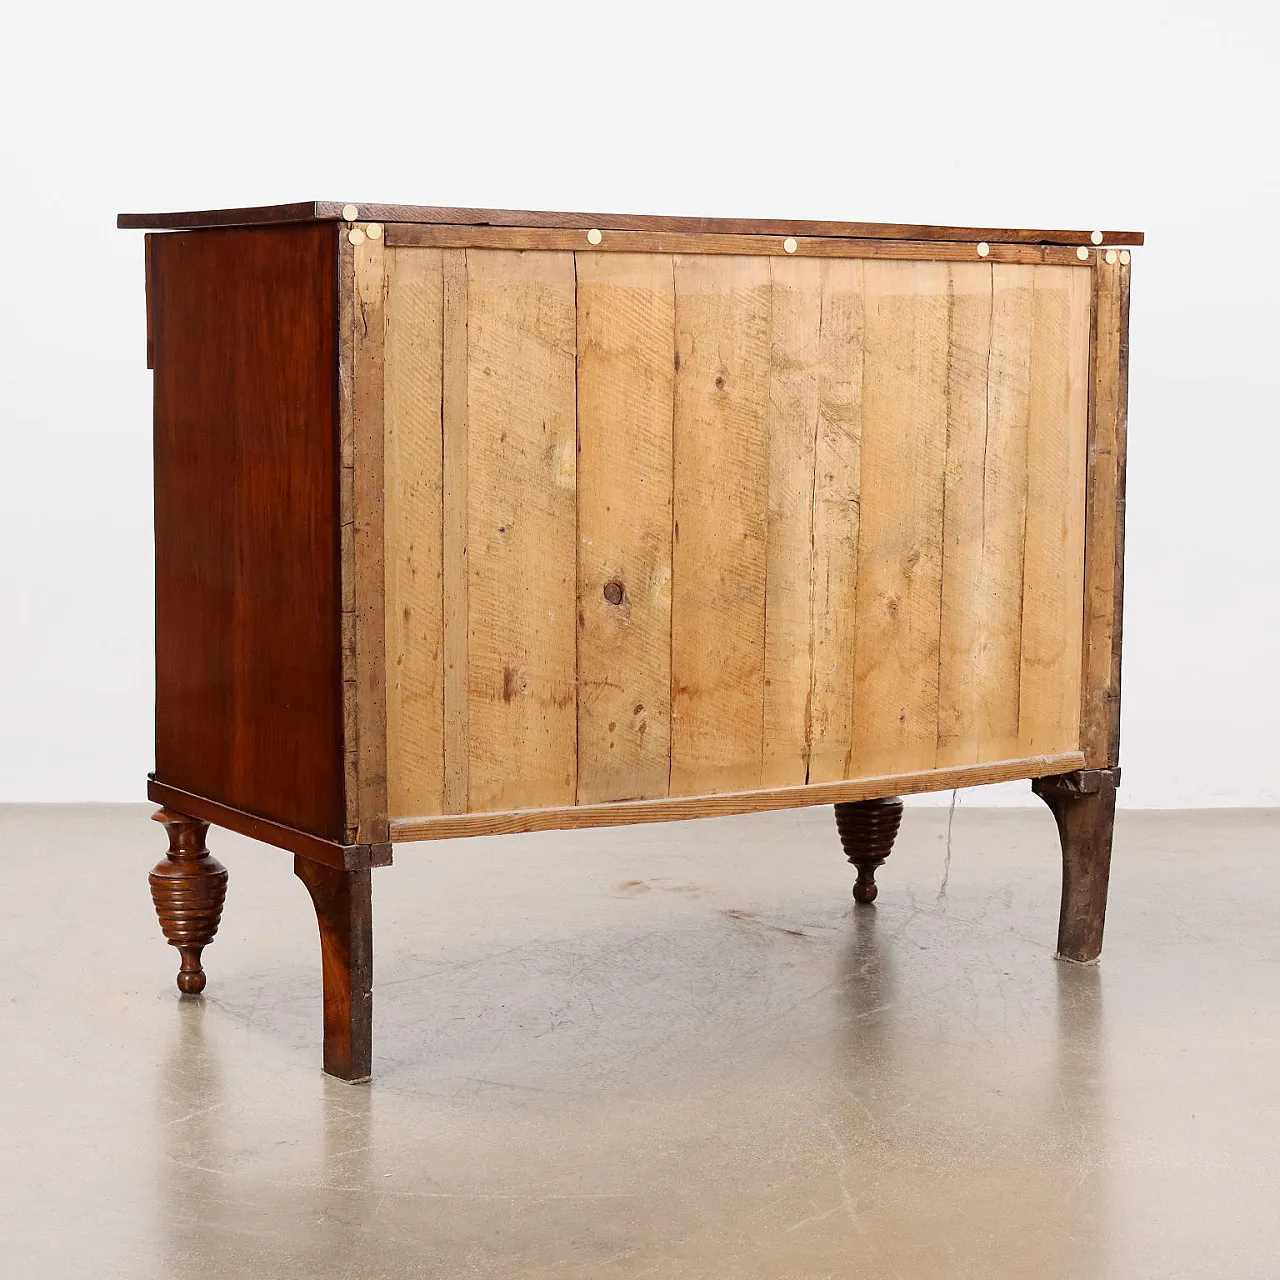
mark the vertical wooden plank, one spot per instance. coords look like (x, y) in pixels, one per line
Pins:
(369, 523)
(1053, 590)
(960, 674)
(521, 343)
(455, 733)
(985, 512)
(796, 322)
(836, 497)
(720, 504)
(899, 589)
(626, 387)
(412, 363)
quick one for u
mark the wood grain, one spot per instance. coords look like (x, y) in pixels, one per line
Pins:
(679, 808)
(720, 523)
(792, 428)
(626, 377)
(899, 586)
(1056, 471)
(397, 213)
(455, 566)
(1104, 529)
(368, 565)
(413, 365)
(248, 590)
(522, 558)
(836, 499)
(690, 242)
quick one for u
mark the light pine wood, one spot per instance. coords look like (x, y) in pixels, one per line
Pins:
(413, 364)
(836, 497)
(455, 732)
(710, 243)
(1055, 511)
(679, 808)
(899, 587)
(368, 532)
(626, 377)
(861, 553)
(522, 675)
(719, 523)
(1104, 532)
(795, 334)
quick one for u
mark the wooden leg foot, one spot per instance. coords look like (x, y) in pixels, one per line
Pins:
(867, 830)
(344, 910)
(188, 889)
(1083, 804)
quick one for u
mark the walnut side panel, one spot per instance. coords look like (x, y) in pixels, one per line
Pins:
(248, 596)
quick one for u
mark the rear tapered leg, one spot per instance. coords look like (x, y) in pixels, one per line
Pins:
(188, 889)
(344, 911)
(1083, 804)
(867, 831)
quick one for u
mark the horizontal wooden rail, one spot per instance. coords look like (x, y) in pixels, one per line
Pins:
(678, 808)
(419, 235)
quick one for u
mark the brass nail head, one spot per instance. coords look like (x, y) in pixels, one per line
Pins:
(1082, 253)
(1112, 257)
(790, 245)
(1124, 257)
(594, 236)
(350, 213)
(374, 231)
(983, 249)
(355, 235)
(1096, 237)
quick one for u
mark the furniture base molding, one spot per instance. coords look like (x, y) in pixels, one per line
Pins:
(1083, 804)
(188, 888)
(344, 912)
(867, 830)
(349, 857)
(723, 804)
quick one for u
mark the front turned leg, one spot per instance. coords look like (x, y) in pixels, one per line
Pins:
(1083, 804)
(344, 910)
(867, 831)
(188, 889)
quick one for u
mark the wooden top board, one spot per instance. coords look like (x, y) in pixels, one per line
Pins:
(332, 211)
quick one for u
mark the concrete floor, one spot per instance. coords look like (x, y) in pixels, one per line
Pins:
(673, 1051)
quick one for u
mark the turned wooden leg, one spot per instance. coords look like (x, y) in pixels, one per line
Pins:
(344, 909)
(1084, 806)
(867, 831)
(188, 889)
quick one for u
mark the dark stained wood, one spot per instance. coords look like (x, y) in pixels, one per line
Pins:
(330, 210)
(188, 889)
(344, 911)
(248, 639)
(1083, 804)
(867, 830)
(1104, 518)
(347, 857)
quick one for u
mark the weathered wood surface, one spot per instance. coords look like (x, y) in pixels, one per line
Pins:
(715, 524)
(680, 808)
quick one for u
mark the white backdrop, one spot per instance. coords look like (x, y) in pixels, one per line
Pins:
(1125, 114)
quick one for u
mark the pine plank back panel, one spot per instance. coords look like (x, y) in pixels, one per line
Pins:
(665, 524)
